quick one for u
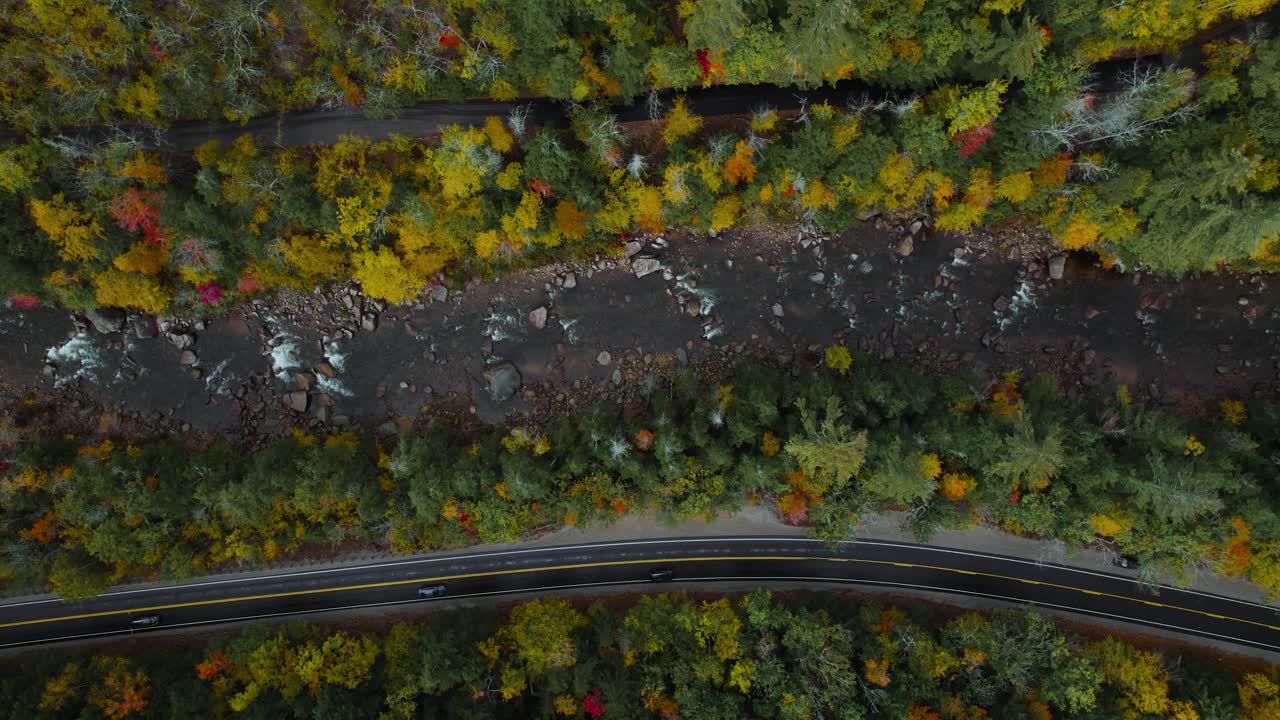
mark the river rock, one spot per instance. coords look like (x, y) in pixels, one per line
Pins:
(905, 245)
(369, 322)
(645, 266)
(1057, 266)
(777, 310)
(439, 293)
(144, 327)
(297, 400)
(502, 381)
(106, 320)
(187, 357)
(604, 358)
(570, 281)
(182, 341)
(538, 318)
(632, 248)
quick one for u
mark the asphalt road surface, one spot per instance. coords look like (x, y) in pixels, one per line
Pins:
(703, 561)
(327, 126)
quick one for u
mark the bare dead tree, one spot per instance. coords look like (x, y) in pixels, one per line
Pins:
(1118, 118)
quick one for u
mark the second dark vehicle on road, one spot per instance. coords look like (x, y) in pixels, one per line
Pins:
(432, 591)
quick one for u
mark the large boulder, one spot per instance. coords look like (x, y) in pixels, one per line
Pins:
(645, 266)
(106, 320)
(144, 327)
(297, 401)
(538, 317)
(502, 381)
(1057, 266)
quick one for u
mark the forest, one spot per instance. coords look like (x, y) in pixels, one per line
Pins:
(652, 656)
(1184, 494)
(1169, 171)
(72, 62)
(1146, 134)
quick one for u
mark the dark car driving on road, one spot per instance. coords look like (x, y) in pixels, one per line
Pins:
(145, 621)
(432, 591)
(661, 575)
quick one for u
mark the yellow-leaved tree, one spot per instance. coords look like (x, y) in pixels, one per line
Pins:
(1137, 675)
(383, 275)
(973, 204)
(116, 288)
(976, 107)
(1259, 697)
(1080, 231)
(538, 638)
(312, 257)
(463, 161)
(71, 228)
(680, 123)
(1016, 187)
(425, 250)
(142, 257)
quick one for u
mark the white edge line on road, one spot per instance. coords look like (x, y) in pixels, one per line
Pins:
(842, 581)
(463, 557)
(1005, 598)
(1059, 566)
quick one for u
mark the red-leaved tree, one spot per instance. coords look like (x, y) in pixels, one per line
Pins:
(136, 211)
(592, 704)
(970, 140)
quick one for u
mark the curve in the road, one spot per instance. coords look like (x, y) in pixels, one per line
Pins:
(549, 569)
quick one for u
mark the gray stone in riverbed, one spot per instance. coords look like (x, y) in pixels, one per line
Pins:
(1057, 265)
(297, 400)
(502, 381)
(106, 320)
(182, 341)
(645, 266)
(144, 327)
(538, 318)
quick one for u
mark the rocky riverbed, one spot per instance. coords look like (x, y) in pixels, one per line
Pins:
(544, 340)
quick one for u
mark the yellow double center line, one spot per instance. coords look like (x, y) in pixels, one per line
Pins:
(650, 561)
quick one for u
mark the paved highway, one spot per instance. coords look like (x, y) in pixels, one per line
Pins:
(703, 561)
(325, 127)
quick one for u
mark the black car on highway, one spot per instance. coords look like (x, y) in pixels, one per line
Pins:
(427, 592)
